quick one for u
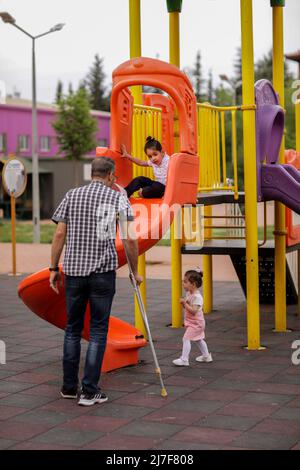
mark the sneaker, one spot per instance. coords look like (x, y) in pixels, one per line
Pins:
(68, 393)
(180, 362)
(204, 358)
(86, 399)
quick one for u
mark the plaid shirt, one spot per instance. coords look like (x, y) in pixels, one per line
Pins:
(91, 214)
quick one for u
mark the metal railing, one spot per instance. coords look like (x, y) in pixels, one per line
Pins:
(213, 169)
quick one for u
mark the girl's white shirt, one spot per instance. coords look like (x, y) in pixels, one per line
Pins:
(161, 171)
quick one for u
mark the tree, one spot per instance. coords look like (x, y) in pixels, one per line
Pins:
(237, 65)
(71, 91)
(197, 78)
(95, 84)
(237, 79)
(210, 88)
(264, 69)
(59, 91)
(83, 86)
(223, 96)
(75, 128)
(152, 89)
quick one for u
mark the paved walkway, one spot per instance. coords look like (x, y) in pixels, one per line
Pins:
(33, 257)
(243, 400)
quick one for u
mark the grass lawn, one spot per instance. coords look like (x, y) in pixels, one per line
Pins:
(24, 232)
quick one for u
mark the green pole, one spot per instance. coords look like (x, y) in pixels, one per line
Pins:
(277, 3)
(174, 6)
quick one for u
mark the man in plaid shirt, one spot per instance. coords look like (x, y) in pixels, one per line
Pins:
(87, 218)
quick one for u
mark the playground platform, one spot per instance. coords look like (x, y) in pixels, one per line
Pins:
(243, 400)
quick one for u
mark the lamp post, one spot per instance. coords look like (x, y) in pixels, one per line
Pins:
(234, 85)
(7, 18)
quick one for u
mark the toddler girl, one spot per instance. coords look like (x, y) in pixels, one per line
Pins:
(193, 319)
(159, 161)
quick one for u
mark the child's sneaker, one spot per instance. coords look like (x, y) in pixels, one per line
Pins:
(204, 358)
(180, 362)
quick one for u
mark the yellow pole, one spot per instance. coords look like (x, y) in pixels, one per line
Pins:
(250, 183)
(174, 38)
(136, 51)
(135, 41)
(13, 234)
(176, 261)
(297, 123)
(280, 260)
(207, 259)
(174, 52)
(207, 267)
(297, 130)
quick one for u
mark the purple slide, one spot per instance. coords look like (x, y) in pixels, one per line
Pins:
(277, 183)
(274, 181)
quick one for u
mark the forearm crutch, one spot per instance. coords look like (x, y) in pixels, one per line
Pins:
(145, 320)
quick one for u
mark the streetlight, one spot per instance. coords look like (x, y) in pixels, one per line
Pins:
(7, 18)
(234, 85)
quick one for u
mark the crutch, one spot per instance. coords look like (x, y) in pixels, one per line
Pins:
(145, 320)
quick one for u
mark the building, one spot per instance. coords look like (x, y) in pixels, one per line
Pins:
(56, 172)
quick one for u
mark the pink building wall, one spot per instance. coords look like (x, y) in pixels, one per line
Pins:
(15, 120)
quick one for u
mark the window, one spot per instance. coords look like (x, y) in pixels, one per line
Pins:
(23, 142)
(45, 143)
(2, 142)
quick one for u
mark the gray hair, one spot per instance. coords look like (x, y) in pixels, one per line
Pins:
(102, 166)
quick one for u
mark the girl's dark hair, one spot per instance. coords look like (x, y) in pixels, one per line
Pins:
(195, 277)
(152, 143)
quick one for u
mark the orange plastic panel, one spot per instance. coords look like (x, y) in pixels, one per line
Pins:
(167, 107)
(159, 74)
(123, 340)
(293, 231)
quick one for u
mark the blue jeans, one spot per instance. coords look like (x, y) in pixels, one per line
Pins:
(99, 290)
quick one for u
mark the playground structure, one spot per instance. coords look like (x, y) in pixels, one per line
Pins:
(123, 339)
(197, 173)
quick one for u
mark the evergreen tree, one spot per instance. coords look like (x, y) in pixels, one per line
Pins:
(151, 89)
(95, 84)
(237, 79)
(83, 86)
(223, 96)
(71, 91)
(59, 91)
(75, 128)
(237, 65)
(264, 69)
(197, 78)
(210, 89)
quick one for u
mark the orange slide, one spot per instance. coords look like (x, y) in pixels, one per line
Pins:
(152, 216)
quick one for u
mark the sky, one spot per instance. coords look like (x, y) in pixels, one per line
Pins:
(102, 26)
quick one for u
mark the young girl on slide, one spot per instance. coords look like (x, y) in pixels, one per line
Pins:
(193, 319)
(159, 161)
